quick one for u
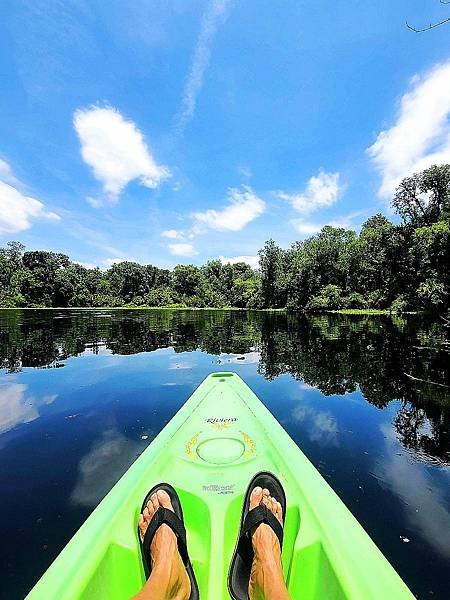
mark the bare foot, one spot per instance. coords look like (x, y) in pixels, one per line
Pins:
(168, 579)
(266, 577)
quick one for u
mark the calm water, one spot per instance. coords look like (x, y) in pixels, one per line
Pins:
(83, 393)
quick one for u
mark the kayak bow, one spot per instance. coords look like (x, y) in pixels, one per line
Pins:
(209, 452)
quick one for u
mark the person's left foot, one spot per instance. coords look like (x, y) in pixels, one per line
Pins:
(167, 566)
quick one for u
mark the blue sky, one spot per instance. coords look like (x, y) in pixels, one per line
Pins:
(178, 131)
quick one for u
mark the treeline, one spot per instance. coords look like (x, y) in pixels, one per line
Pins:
(387, 266)
(400, 267)
(48, 279)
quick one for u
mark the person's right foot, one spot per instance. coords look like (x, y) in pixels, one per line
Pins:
(266, 577)
(168, 574)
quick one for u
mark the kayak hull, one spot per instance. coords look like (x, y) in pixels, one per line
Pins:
(209, 452)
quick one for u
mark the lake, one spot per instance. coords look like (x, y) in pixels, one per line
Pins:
(82, 394)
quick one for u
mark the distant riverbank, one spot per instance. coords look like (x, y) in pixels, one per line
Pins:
(343, 311)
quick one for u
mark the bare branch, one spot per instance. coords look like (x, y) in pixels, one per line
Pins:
(426, 380)
(430, 26)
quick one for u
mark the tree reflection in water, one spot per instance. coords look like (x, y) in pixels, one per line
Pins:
(387, 358)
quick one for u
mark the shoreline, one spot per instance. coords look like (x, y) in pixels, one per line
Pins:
(341, 311)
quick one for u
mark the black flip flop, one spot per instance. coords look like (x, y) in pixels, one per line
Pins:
(174, 519)
(241, 563)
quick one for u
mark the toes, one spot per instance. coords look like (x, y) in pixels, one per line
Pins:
(150, 508)
(272, 504)
(146, 515)
(164, 499)
(279, 512)
(255, 497)
(154, 501)
(142, 526)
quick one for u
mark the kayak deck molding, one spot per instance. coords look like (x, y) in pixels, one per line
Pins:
(209, 451)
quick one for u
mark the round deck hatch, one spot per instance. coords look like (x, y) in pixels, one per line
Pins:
(220, 451)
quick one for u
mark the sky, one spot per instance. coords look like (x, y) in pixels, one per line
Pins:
(178, 131)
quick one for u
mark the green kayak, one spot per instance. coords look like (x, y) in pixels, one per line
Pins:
(209, 452)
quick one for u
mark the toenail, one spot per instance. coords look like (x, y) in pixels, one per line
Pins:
(257, 490)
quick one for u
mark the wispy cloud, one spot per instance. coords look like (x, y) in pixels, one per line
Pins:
(306, 227)
(321, 191)
(94, 237)
(6, 173)
(172, 234)
(244, 206)
(86, 265)
(182, 249)
(116, 151)
(348, 221)
(245, 171)
(214, 15)
(321, 425)
(109, 262)
(253, 261)
(100, 468)
(17, 210)
(17, 406)
(420, 136)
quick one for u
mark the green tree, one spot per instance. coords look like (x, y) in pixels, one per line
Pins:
(186, 280)
(424, 198)
(430, 252)
(39, 285)
(381, 264)
(128, 280)
(273, 281)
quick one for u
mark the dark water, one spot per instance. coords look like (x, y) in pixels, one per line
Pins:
(83, 393)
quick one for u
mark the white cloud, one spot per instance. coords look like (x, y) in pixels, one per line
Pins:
(421, 135)
(172, 234)
(182, 250)
(214, 15)
(17, 407)
(6, 173)
(18, 210)
(102, 466)
(95, 202)
(86, 265)
(244, 206)
(321, 425)
(306, 227)
(321, 191)
(345, 221)
(116, 151)
(109, 262)
(253, 261)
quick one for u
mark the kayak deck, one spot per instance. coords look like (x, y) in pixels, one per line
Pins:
(209, 452)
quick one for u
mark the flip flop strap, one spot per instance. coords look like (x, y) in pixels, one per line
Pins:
(261, 514)
(256, 516)
(168, 517)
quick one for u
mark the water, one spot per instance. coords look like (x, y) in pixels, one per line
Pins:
(82, 393)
